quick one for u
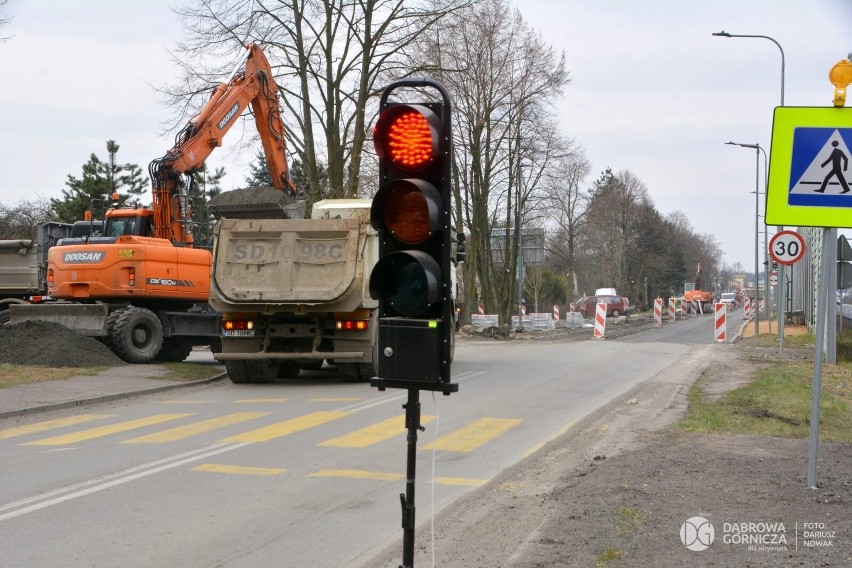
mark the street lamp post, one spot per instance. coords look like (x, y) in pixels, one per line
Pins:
(757, 150)
(780, 295)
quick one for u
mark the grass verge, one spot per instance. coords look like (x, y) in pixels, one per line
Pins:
(15, 375)
(778, 401)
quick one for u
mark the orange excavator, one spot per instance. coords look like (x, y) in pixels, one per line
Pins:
(143, 285)
(697, 294)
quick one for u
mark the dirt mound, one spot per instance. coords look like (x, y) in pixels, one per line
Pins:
(49, 344)
(257, 202)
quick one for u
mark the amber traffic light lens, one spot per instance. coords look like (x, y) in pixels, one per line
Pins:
(407, 214)
(409, 140)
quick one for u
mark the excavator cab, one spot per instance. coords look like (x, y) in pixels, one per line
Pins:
(121, 222)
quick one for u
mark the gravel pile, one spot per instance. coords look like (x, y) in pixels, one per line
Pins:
(49, 344)
(257, 202)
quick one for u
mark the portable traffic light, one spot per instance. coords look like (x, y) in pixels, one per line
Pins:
(411, 212)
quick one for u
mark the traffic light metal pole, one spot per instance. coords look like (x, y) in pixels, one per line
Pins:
(412, 424)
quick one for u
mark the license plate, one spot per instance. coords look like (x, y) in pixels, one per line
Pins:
(238, 332)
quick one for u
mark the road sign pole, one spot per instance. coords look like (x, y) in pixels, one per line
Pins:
(779, 306)
(816, 389)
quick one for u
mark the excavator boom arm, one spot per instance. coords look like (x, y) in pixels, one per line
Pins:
(203, 134)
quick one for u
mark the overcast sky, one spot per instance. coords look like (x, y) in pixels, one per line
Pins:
(652, 92)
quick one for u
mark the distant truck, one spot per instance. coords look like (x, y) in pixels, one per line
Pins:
(294, 293)
(21, 268)
(23, 263)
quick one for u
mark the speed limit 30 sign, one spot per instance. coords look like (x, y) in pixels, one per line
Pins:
(787, 247)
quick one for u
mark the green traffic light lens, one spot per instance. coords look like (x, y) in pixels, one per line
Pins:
(409, 281)
(407, 287)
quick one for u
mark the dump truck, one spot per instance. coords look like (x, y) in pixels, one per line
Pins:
(294, 293)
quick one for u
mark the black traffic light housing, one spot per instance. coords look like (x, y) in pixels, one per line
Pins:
(412, 278)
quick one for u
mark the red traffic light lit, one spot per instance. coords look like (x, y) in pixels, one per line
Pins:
(408, 135)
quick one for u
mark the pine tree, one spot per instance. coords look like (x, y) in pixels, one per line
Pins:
(259, 174)
(98, 182)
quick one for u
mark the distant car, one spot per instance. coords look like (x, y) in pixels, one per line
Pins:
(729, 298)
(615, 305)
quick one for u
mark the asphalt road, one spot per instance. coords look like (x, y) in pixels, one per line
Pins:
(297, 473)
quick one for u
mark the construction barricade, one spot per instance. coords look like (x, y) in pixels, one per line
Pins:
(720, 319)
(600, 320)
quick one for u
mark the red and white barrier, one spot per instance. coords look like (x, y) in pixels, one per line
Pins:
(481, 309)
(720, 318)
(600, 320)
(555, 312)
(747, 308)
(658, 312)
(672, 308)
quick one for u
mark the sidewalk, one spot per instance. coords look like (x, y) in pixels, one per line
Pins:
(771, 328)
(111, 384)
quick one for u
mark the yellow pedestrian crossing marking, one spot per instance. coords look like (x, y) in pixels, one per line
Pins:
(474, 435)
(255, 400)
(92, 433)
(336, 399)
(50, 425)
(238, 469)
(181, 432)
(378, 432)
(358, 474)
(287, 427)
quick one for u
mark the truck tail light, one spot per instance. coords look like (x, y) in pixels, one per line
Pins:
(353, 325)
(233, 325)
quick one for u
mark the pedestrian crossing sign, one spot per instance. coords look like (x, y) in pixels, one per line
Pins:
(810, 167)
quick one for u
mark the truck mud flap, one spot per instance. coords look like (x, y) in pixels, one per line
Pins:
(85, 319)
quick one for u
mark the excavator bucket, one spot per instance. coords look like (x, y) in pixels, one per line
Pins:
(85, 319)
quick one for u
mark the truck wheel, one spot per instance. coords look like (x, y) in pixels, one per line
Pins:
(289, 369)
(175, 350)
(349, 372)
(135, 334)
(5, 317)
(237, 371)
(262, 371)
(615, 313)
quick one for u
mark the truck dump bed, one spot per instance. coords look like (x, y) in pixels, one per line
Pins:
(319, 264)
(19, 268)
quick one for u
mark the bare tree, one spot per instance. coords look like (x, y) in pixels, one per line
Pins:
(502, 76)
(20, 220)
(613, 225)
(566, 207)
(4, 21)
(329, 57)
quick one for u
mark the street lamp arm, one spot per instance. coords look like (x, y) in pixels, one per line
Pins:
(723, 33)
